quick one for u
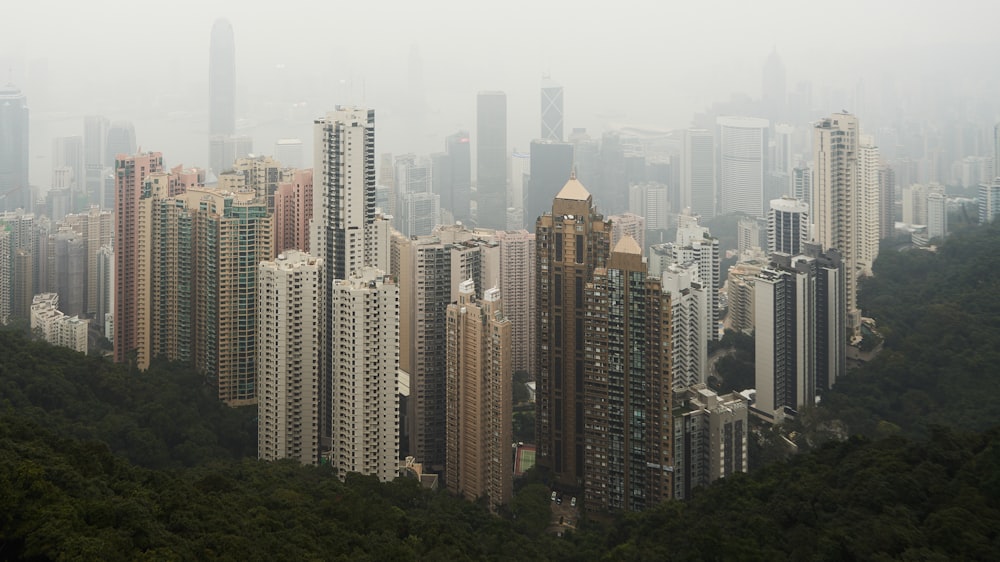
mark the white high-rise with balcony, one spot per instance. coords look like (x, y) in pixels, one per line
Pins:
(869, 213)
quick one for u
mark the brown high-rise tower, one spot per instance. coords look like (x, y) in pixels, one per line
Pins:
(570, 243)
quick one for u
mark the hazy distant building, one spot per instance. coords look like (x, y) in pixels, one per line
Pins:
(226, 150)
(479, 406)
(95, 131)
(68, 269)
(289, 152)
(120, 140)
(67, 158)
(651, 200)
(937, 216)
(698, 184)
(288, 353)
(774, 94)
(491, 159)
(989, 201)
(710, 438)
(221, 93)
(802, 185)
(742, 147)
(452, 176)
(787, 226)
(887, 201)
(551, 164)
(552, 110)
(15, 191)
(421, 212)
(751, 235)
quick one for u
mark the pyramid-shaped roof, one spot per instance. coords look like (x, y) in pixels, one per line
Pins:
(573, 190)
(628, 245)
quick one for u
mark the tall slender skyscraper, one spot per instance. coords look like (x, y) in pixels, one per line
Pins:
(627, 417)
(552, 110)
(288, 350)
(15, 191)
(491, 160)
(479, 405)
(835, 201)
(360, 318)
(571, 242)
(133, 237)
(868, 214)
(743, 146)
(221, 91)
(774, 93)
(95, 132)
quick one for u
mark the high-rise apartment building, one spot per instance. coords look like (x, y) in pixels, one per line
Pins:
(571, 242)
(491, 160)
(799, 329)
(517, 291)
(430, 269)
(802, 185)
(698, 184)
(886, 201)
(5, 276)
(479, 407)
(360, 340)
(263, 174)
(651, 200)
(710, 438)
(552, 110)
(15, 191)
(868, 215)
(627, 402)
(23, 246)
(743, 147)
(364, 361)
(835, 202)
(56, 327)
(628, 224)
(989, 201)
(96, 228)
(293, 211)
(689, 315)
(133, 237)
(288, 349)
(221, 93)
(787, 226)
(937, 216)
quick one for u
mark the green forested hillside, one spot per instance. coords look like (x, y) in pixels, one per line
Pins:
(98, 463)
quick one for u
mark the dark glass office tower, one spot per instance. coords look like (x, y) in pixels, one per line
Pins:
(491, 160)
(551, 164)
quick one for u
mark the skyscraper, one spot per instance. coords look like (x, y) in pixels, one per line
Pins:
(835, 202)
(293, 211)
(698, 173)
(571, 242)
(787, 226)
(552, 110)
(868, 215)
(551, 163)
(937, 215)
(774, 93)
(479, 407)
(886, 201)
(710, 438)
(360, 339)
(689, 304)
(95, 132)
(517, 289)
(288, 367)
(799, 329)
(221, 91)
(627, 419)
(491, 160)
(15, 191)
(989, 201)
(743, 146)
(132, 267)
(120, 140)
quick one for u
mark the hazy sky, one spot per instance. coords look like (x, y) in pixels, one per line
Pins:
(649, 63)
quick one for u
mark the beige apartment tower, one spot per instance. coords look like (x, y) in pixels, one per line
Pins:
(288, 331)
(479, 379)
